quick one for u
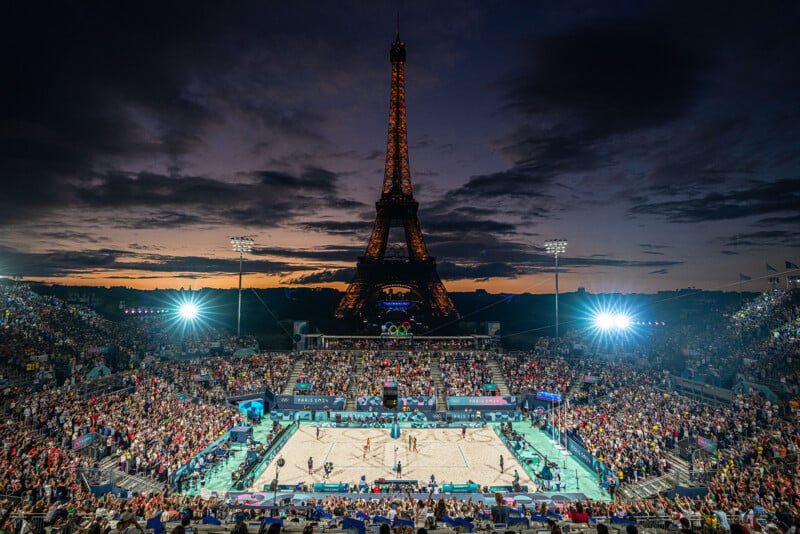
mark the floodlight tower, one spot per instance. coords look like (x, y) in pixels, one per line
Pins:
(241, 245)
(556, 247)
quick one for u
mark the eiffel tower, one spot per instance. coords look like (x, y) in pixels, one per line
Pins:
(415, 271)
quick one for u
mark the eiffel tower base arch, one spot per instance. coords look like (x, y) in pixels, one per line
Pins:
(364, 295)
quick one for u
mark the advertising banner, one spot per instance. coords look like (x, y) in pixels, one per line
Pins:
(548, 396)
(369, 403)
(311, 402)
(417, 402)
(707, 444)
(83, 441)
(481, 403)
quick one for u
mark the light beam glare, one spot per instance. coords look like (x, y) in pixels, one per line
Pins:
(188, 311)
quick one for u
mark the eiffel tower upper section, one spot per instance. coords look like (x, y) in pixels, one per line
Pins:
(396, 176)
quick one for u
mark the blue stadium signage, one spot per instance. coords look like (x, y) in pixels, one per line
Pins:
(546, 395)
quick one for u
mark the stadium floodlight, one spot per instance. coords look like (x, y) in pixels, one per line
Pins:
(188, 311)
(556, 247)
(607, 321)
(622, 321)
(241, 245)
(604, 321)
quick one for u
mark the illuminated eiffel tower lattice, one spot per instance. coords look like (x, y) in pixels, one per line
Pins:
(404, 268)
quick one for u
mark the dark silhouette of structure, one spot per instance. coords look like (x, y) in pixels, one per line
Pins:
(402, 279)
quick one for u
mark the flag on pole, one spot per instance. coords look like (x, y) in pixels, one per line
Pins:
(744, 277)
(790, 265)
(771, 268)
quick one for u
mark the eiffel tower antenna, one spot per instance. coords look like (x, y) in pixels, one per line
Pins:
(376, 273)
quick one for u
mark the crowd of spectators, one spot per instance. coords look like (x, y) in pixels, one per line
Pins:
(407, 343)
(465, 373)
(532, 371)
(626, 416)
(41, 335)
(756, 343)
(630, 427)
(411, 371)
(327, 372)
(240, 375)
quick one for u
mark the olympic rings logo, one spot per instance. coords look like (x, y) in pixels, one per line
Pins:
(397, 330)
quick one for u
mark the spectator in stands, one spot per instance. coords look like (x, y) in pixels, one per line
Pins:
(499, 510)
(128, 525)
(579, 515)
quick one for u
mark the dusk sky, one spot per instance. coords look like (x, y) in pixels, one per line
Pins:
(662, 140)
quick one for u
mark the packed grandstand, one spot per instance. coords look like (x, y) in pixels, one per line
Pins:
(123, 426)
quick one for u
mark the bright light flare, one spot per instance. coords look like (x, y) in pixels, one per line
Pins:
(604, 321)
(188, 311)
(622, 321)
(612, 321)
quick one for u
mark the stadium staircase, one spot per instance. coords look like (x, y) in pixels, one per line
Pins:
(357, 369)
(297, 370)
(577, 382)
(139, 484)
(648, 487)
(134, 483)
(498, 376)
(438, 383)
(680, 469)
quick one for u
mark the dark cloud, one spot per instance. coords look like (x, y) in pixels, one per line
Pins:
(526, 258)
(70, 236)
(452, 271)
(65, 263)
(140, 247)
(339, 227)
(728, 252)
(764, 238)
(461, 223)
(154, 219)
(608, 262)
(81, 87)
(334, 275)
(110, 87)
(326, 253)
(149, 200)
(59, 263)
(650, 246)
(149, 189)
(522, 182)
(759, 198)
(646, 99)
(437, 225)
(446, 270)
(156, 277)
(659, 271)
(312, 179)
(792, 220)
(610, 78)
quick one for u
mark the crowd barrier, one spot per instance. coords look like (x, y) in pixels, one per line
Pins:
(275, 448)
